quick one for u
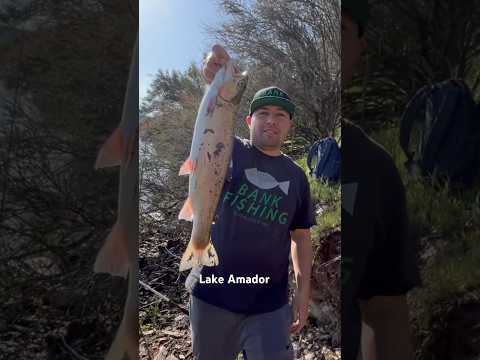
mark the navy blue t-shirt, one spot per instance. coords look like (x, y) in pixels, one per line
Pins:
(263, 199)
(378, 252)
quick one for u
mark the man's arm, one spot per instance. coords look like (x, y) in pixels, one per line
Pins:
(387, 316)
(302, 266)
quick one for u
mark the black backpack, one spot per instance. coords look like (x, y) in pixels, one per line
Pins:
(448, 122)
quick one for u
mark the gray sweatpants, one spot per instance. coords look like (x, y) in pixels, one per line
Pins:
(218, 334)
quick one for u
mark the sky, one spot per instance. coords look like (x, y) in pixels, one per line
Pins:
(173, 35)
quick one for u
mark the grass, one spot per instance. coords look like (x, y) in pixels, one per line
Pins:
(440, 210)
(450, 214)
(326, 198)
(437, 208)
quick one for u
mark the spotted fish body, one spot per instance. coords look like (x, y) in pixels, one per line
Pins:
(207, 165)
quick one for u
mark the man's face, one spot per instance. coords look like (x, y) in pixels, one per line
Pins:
(269, 127)
(352, 48)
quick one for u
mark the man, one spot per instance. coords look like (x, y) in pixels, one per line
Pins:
(264, 213)
(378, 256)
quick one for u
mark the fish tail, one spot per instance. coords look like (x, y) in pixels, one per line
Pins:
(284, 186)
(187, 211)
(113, 256)
(194, 257)
(111, 153)
(187, 167)
(126, 338)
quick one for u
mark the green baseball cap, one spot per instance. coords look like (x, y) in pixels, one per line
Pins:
(358, 10)
(272, 96)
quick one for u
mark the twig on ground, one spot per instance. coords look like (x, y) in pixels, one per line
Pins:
(326, 263)
(73, 351)
(171, 253)
(149, 304)
(163, 297)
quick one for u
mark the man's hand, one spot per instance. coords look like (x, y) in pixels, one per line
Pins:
(300, 311)
(214, 61)
(301, 249)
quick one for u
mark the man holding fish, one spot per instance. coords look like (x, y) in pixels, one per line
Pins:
(378, 252)
(262, 212)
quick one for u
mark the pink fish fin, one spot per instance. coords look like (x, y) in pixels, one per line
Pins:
(111, 153)
(126, 338)
(187, 211)
(113, 256)
(193, 257)
(284, 186)
(188, 167)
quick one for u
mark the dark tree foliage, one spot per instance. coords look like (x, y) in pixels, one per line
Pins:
(294, 45)
(63, 72)
(412, 43)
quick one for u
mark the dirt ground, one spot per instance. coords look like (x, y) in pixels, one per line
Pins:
(66, 314)
(163, 313)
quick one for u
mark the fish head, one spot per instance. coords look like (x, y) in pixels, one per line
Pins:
(232, 90)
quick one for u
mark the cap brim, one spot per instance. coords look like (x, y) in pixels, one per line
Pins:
(285, 104)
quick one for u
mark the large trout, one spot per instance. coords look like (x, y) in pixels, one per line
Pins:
(119, 254)
(208, 162)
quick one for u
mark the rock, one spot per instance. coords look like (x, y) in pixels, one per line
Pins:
(43, 265)
(463, 332)
(455, 333)
(309, 356)
(63, 298)
(80, 329)
(3, 326)
(161, 354)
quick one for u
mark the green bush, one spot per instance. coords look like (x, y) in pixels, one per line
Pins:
(326, 199)
(449, 220)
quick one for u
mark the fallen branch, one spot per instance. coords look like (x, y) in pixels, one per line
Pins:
(72, 350)
(326, 263)
(163, 297)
